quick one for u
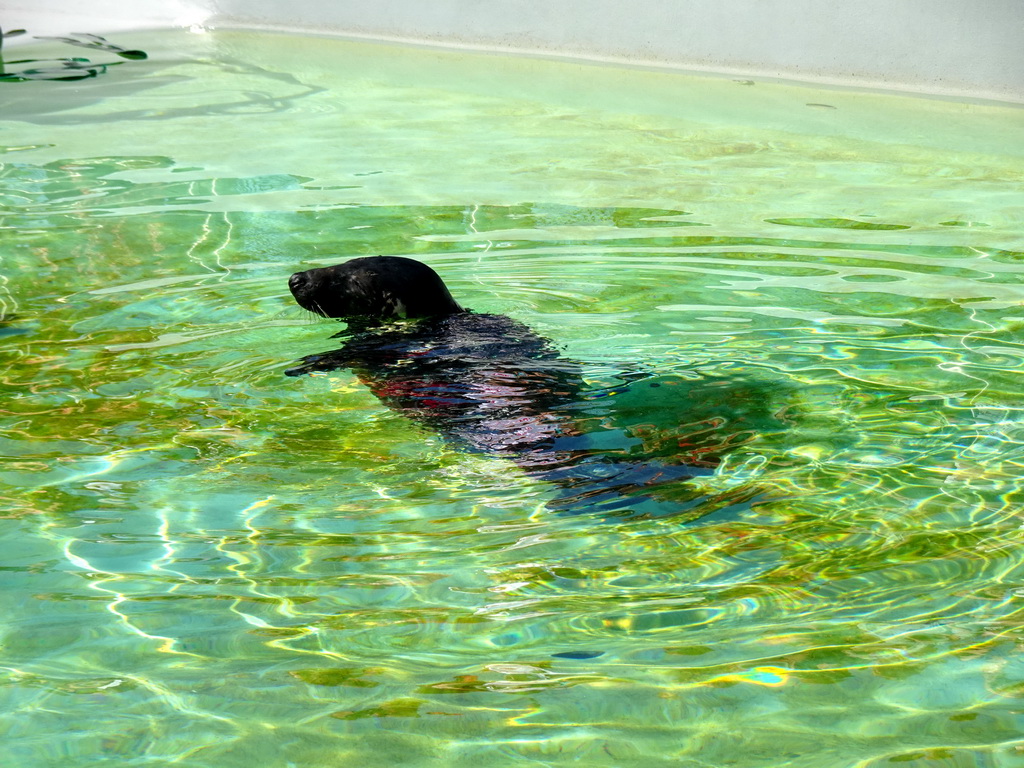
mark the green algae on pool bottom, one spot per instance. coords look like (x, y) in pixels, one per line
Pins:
(207, 562)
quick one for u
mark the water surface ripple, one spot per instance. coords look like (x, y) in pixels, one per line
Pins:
(209, 563)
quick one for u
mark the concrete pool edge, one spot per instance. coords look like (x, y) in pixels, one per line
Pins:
(937, 48)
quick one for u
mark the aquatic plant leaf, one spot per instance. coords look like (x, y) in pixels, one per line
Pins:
(98, 43)
(64, 69)
(8, 33)
(135, 55)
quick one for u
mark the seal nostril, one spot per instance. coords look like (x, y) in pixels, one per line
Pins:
(299, 278)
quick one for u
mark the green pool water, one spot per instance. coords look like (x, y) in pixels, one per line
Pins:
(207, 563)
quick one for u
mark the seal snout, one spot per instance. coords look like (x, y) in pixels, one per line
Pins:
(297, 281)
(302, 286)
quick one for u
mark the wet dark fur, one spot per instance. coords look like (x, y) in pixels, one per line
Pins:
(373, 288)
(488, 383)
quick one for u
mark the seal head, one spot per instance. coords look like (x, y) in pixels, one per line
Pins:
(374, 288)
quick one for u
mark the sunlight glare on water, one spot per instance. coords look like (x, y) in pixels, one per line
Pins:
(209, 563)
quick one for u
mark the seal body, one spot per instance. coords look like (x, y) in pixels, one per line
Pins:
(488, 383)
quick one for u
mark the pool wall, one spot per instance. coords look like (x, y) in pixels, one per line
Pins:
(941, 47)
